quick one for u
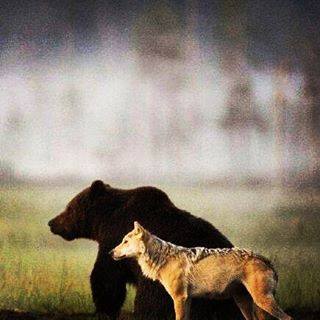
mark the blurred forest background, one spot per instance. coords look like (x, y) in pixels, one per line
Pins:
(216, 102)
(179, 91)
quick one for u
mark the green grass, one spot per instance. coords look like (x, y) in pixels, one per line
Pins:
(40, 272)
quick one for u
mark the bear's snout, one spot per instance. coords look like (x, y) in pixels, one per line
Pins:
(54, 226)
(58, 227)
(51, 223)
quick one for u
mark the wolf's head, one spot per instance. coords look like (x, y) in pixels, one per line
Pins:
(132, 245)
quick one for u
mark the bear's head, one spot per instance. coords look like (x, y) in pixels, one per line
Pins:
(83, 212)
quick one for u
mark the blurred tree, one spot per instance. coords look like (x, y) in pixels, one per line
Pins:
(158, 39)
(304, 46)
(241, 116)
(11, 146)
(157, 33)
(311, 66)
(7, 174)
(279, 111)
(71, 120)
(241, 110)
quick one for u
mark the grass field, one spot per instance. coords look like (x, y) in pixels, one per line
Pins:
(40, 272)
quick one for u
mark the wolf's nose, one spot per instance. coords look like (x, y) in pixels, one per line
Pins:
(50, 223)
(111, 252)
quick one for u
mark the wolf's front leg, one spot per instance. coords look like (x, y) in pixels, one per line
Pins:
(181, 308)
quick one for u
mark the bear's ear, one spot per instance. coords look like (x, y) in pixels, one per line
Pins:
(97, 187)
(138, 228)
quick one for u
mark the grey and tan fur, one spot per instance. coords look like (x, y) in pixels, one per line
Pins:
(202, 272)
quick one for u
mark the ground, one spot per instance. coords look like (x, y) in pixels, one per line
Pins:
(44, 277)
(15, 315)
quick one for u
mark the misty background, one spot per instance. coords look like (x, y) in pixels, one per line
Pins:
(179, 91)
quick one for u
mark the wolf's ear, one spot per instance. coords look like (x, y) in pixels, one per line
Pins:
(138, 228)
(97, 187)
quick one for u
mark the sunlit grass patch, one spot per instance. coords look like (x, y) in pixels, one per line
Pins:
(46, 281)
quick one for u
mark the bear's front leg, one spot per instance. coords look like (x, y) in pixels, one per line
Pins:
(108, 285)
(152, 302)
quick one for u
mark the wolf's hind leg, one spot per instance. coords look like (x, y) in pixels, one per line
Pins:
(245, 304)
(261, 283)
(259, 313)
(265, 300)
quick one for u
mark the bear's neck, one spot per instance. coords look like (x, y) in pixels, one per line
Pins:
(99, 226)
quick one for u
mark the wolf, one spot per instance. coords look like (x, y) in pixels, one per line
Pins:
(202, 272)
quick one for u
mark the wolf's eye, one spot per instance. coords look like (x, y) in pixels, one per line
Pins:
(125, 241)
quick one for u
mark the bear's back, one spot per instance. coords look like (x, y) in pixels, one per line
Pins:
(154, 209)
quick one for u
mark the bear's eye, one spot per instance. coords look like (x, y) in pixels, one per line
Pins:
(125, 241)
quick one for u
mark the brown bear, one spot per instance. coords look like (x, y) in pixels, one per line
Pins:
(106, 214)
